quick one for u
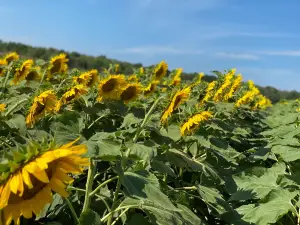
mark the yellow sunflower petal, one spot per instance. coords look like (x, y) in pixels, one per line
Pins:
(26, 178)
(42, 163)
(68, 145)
(14, 183)
(69, 167)
(5, 195)
(59, 187)
(21, 185)
(63, 176)
(26, 210)
(42, 176)
(7, 214)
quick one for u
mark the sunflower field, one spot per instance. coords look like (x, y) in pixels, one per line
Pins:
(99, 147)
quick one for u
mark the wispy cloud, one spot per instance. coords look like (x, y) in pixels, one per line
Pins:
(295, 53)
(157, 50)
(243, 56)
(219, 32)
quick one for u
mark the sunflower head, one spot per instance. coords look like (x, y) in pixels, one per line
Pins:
(251, 84)
(3, 65)
(130, 92)
(117, 67)
(133, 78)
(33, 174)
(11, 57)
(179, 97)
(111, 87)
(234, 87)
(78, 80)
(33, 74)
(88, 79)
(141, 70)
(72, 94)
(58, 64)
(42, 104)
(150, 88)
(177, 77)
(194, 122)
(2, 107)
(198, 79)
(160, 70)
(22, 71)
(209, 92)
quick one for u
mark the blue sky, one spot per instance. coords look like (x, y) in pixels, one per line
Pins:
(261, 38)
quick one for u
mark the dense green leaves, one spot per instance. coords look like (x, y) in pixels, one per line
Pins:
(89, 217)
(240, 167)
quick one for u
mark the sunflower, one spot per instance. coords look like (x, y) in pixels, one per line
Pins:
(88, 79)
(193, 123)
(179, 98)
(33, 74)
(117, 67)
(11, 57)
(141, 70)
(198, 79)
(130, 92)
(225, 85)
(251, 84)
(3, 64)
(30, 186)
(22, 71)
(133, 78)
(72, 94)
(248, 97)
(111, 87)
(42, 104)
(150, 88)
(262, 102)
(209, 91)
(58, 64)
(235, 86)
(176, 79)
(160, 70)
(2, 107)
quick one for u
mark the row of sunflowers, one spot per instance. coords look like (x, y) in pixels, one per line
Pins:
(31, 171)
(127, 89)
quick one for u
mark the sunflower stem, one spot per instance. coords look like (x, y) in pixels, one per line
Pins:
(101, 185)
(62, 82)
(89, 185)
(95, 121)
(147, 116)
(6, 78)
(72, 210)
(15, 106)
(115, 199)
(121, 214)
(42, 79)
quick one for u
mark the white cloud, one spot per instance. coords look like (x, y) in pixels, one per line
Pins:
(157, 50)
(244, 56)
(295, 53)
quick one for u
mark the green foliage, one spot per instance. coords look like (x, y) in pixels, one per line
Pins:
(240, 168)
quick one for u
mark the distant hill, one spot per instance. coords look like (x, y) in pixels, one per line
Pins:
(86, 62)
